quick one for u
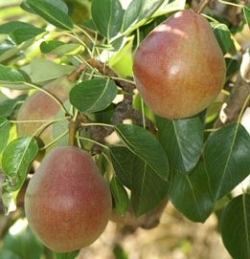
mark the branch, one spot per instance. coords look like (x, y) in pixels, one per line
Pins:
(239, 97)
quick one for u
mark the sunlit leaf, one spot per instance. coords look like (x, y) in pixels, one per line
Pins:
(144, 145)
(60, 48)
(8, 74)
(16, 161)
(226, 157)
(5, 131)
(235, 227)
(7, 106)
(93, 95)
(107, 16)
(182, 140)
(52, 12)
(246, 10)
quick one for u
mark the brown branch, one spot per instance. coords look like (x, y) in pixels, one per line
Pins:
(203, 5)
(239, 95)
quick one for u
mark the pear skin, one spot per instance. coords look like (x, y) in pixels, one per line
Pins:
(67, 202)
(179, 68)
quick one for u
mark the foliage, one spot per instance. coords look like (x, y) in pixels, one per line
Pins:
(195, 162)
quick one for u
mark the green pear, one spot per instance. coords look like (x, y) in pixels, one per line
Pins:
(67, 202)
(179, 68)
(39, 108)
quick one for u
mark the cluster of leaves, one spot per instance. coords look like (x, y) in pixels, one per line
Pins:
(193, 164)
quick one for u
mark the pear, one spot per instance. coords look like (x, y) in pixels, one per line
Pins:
(179, 68)
(67, 202)
(39, 108)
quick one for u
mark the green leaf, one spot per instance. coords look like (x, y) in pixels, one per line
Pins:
(23, 243)
(93, 95)
(226, 157)
(148, 189)
(8, 254)
(42, 70)
(182, 140)
(138, 10)
(107, 16)
(7, 106)
(223, 36)
(246, 11)
(233, 66)
(144, 145)
(5, 132)
(132, 14)
(120, 195)
(191, 194)
(71, 255)
(53, 12)
(10, 27)
(10, 75)
(21, 35)
(60, 48)
(123, 161)
(235, 227)
(16, 160)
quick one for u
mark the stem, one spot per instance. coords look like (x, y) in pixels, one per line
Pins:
(94, 142)
(202, 6)
(48, 94)
(89, 124)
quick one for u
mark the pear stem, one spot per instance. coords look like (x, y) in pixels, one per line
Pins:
(202, 6)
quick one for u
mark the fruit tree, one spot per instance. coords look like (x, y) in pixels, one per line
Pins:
(110, 110)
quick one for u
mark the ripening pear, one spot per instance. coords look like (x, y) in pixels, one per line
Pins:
(39, 108)
(179, 68)
(67, 202)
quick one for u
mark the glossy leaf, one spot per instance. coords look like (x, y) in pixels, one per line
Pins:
(144, 145)
(8, 74)
(53, 12)
(191, 194)
(223, 36)
(59, 48)
(148, 188)
(93, 95)
(246, 10)
(20, 31)
(120, 196)
(123, 161)
(16, 160)
(139, 10)
(107, 16)
(7, 106)
(233, 66)
(182, 140)
(132, 13)
(226, 157)
(5, 132)
(21, 35)
(235, 227)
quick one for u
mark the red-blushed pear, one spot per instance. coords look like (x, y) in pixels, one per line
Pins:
(39, 109)
(179, 68)
(68, 202)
